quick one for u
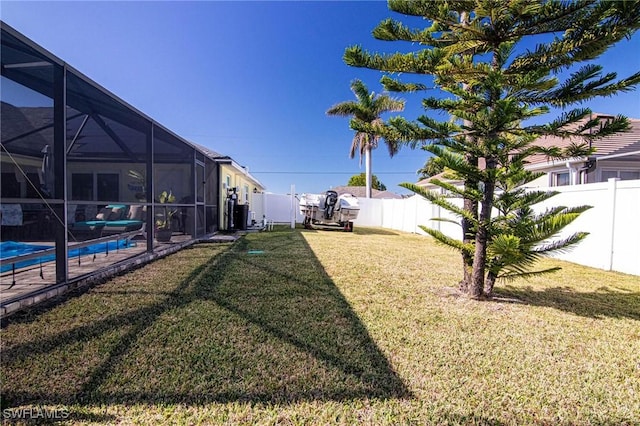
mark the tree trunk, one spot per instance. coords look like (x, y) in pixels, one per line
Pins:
(467, 269)
(468, 235)
(469, 205)
(367, 169)
(489, 283)
(482, 234)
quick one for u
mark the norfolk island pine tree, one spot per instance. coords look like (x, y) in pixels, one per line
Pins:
(471, 54)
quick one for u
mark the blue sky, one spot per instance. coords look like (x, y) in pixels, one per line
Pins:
(249, 79)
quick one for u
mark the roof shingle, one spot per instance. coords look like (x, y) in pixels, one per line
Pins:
(620, 143)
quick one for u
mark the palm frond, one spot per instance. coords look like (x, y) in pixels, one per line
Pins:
(344, 109)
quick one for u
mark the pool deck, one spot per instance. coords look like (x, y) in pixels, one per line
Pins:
(34, 284)
(28, 279)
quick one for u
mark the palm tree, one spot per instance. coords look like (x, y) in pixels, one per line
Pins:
(366, 120)
(431, 168)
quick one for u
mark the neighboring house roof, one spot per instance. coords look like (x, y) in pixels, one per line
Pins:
(427, 181)
(624, 146)
(360, 192)
(440, 176)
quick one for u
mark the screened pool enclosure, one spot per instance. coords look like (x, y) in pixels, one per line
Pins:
(80, 167)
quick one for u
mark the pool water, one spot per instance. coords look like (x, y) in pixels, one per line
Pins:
(10, 249)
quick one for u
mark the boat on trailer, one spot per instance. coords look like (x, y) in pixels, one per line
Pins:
(329, 210)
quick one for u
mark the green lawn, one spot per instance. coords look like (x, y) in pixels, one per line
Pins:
(306, 327)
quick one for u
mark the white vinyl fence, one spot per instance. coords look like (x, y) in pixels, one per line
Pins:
(613, 222)
(276, 208)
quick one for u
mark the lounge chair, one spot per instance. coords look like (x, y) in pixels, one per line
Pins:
(92, 228)
(133, 221)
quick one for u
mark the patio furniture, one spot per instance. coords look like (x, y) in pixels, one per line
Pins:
(133, 220)
(88, 229)
(15, 226)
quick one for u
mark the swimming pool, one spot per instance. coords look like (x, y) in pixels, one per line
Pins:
(10, 249)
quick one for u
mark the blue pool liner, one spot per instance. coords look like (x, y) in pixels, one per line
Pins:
(10, 249)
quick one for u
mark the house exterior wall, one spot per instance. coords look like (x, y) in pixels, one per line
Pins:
(231, 177)
(614, 156)
(544, 180)
(625, 169)
(604, 169)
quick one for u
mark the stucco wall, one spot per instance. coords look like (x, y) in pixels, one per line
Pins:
(230, 177)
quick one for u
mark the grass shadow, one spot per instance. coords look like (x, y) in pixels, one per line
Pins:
(53, 360)
(269, 327)
(604, 302)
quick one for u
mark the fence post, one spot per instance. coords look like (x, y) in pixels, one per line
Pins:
(293, 207)
(612, 190)
(415, 213)
(436, 213)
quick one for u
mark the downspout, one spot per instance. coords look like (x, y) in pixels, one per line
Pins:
(573, 174)
(588, 166)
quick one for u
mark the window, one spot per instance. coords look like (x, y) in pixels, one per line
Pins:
(19, 186)
(608, 174)
(629, 175)
(605, 175)
(560, 179)
(34, 188)
(82, 186)
(246, 193)
(10, 185)
(228, 182)
(108, 186)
